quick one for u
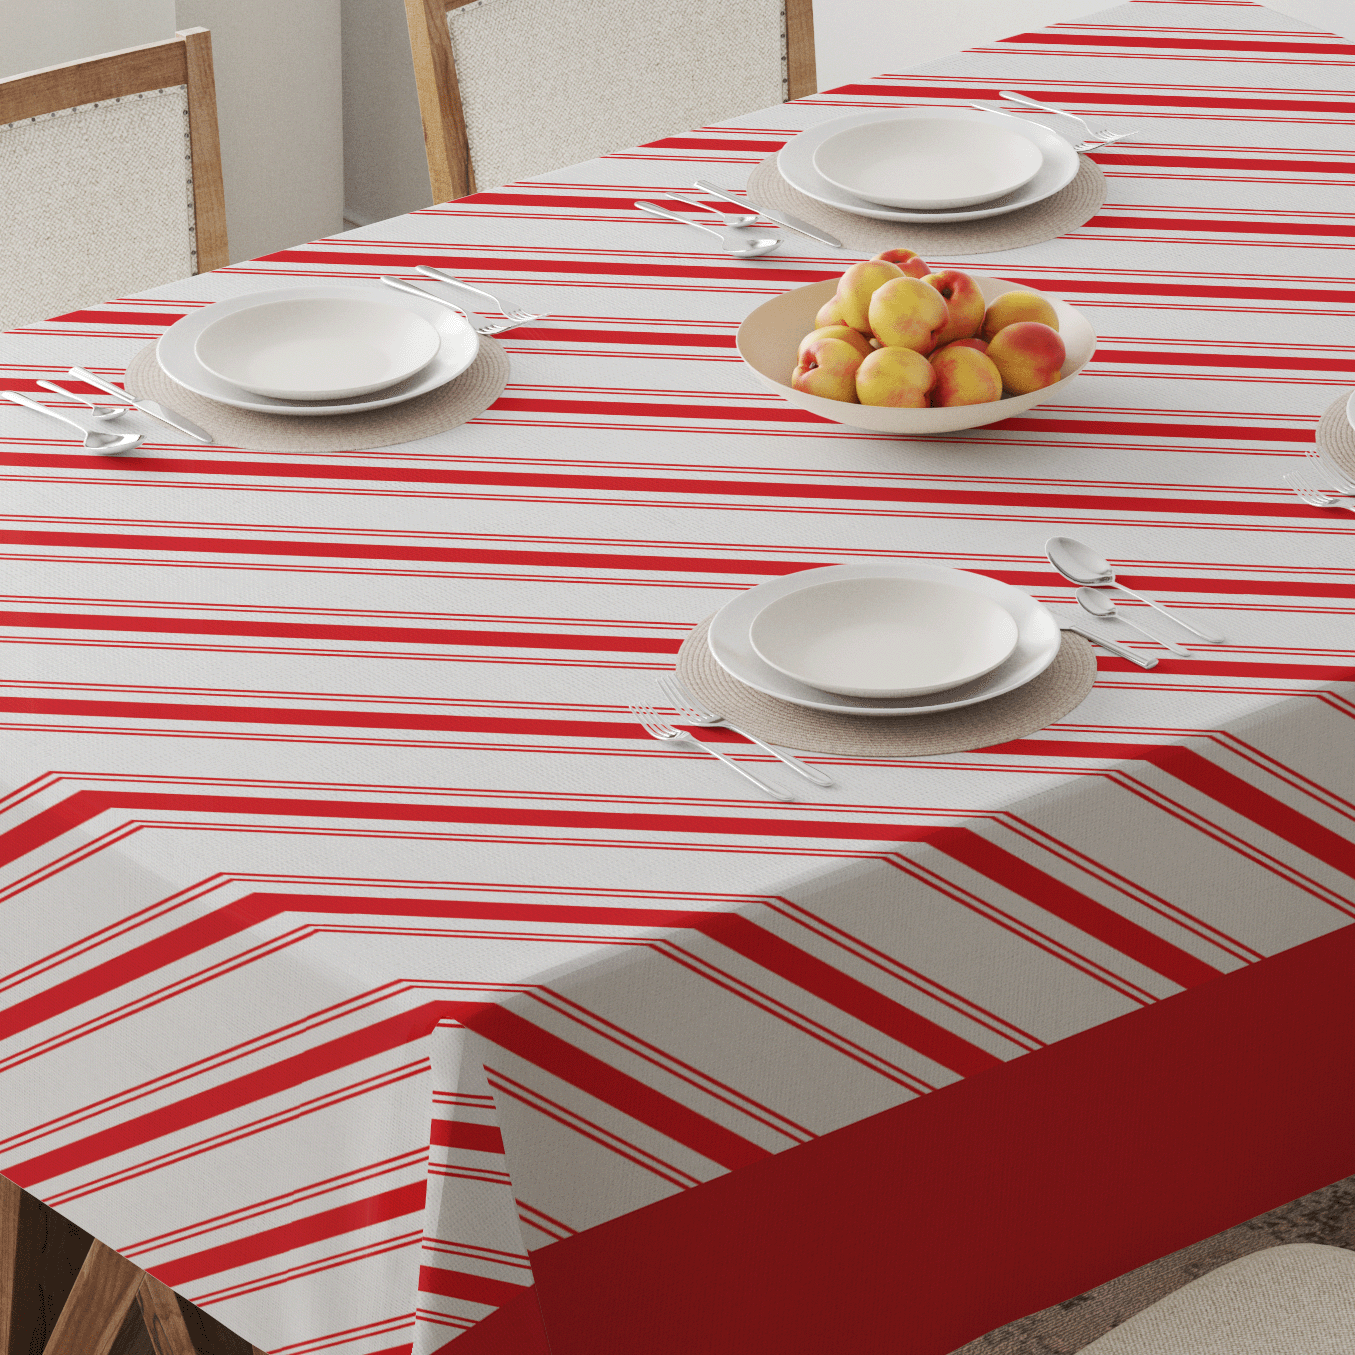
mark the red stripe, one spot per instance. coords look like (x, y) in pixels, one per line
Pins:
(1194, 44)
(476, 1138)
(1186, 223)
(456, 1284)
(847, 994)
(1098, 921)
(613, 1087)
(910, 494)
(1085, 1160)
(164, 625)
(1128, 98)
(132, 317)
(514, 1329)
(1047, 892)
(344, 1218)
(240, 1091)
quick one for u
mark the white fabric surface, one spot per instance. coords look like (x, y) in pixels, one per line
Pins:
(98, 203)
(1296, 1299)
(310, 761)
(546, 83)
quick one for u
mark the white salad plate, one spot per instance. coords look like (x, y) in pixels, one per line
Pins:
(1350, 410)
(458, 345)
(796, 164)
(928, 164)
(1037, 641)
(883, 637)
(316, 348)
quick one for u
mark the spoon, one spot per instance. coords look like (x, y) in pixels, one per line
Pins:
(109, 444)
(1098, 604)
(1082, 565)
(732, 238)
(96, 411)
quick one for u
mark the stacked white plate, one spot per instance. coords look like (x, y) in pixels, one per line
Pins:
(884, 640)
(323, 349)
(928, 164)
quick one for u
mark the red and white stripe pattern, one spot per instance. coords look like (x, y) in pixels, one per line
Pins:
(358, 944)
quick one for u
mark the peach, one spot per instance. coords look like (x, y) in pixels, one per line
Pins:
(844, 332)
(977, 344)
(828, 368)
(963, 300)
(828, 314)
(1013, 307)
(1028, 354)
(906, 313)
(905, 259)
(897, 377)
(856, 287)
(964, 377)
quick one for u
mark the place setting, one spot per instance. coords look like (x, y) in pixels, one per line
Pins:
(968, 180)
(324, 367)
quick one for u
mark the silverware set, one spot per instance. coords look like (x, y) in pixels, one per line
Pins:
(104, 440)
(1093, 140)
(512, 318)
(688, 710)
(1081, 565)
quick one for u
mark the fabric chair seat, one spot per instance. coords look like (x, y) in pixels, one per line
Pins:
(1296, 1299)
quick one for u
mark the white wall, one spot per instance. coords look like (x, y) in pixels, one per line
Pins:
(279, 99)
(385, 170)
(37, 33)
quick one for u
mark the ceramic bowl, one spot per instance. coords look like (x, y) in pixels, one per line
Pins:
(884, 637)
(928, 164)
(317, 348)
(769, 338)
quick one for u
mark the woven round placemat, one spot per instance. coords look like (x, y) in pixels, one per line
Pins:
(1335, 436)
(1067, 209)
(1061, 688)
(460, 399)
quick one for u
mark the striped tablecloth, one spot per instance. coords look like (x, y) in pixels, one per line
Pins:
(323, 818)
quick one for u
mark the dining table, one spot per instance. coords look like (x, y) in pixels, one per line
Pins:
(373, 979)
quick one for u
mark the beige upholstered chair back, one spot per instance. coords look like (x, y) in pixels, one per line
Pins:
(511, 88)
(112, 178)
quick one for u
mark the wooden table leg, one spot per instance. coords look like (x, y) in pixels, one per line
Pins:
(104, 1290)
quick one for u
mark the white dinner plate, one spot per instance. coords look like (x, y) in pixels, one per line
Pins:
(317, 348)
(929, 164)
(796, 163)
(1350, 410)
(459, 344)
(884, 637)
(1037, 642)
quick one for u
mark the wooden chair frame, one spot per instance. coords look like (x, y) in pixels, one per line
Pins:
(450, 173)
(185, 59)
(90, 1286)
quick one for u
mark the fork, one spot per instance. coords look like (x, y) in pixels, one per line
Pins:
(1329, 474)
(656, 728)
(1310, 492)
(518, 316)
(689, 713)
(479, 326)
(729, 218)
(1102, 138)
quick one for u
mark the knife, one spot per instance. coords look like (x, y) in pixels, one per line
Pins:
(791, 223)
(1109, 645)
(151, 407)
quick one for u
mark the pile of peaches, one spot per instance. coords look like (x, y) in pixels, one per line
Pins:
(897, 334)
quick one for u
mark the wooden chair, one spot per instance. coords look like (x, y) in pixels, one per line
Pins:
(63, 1293)
(112, 174)
(511, 88)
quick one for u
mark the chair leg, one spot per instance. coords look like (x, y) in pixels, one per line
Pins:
(163, 1318)
(10, 1196)
(104, 1290)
